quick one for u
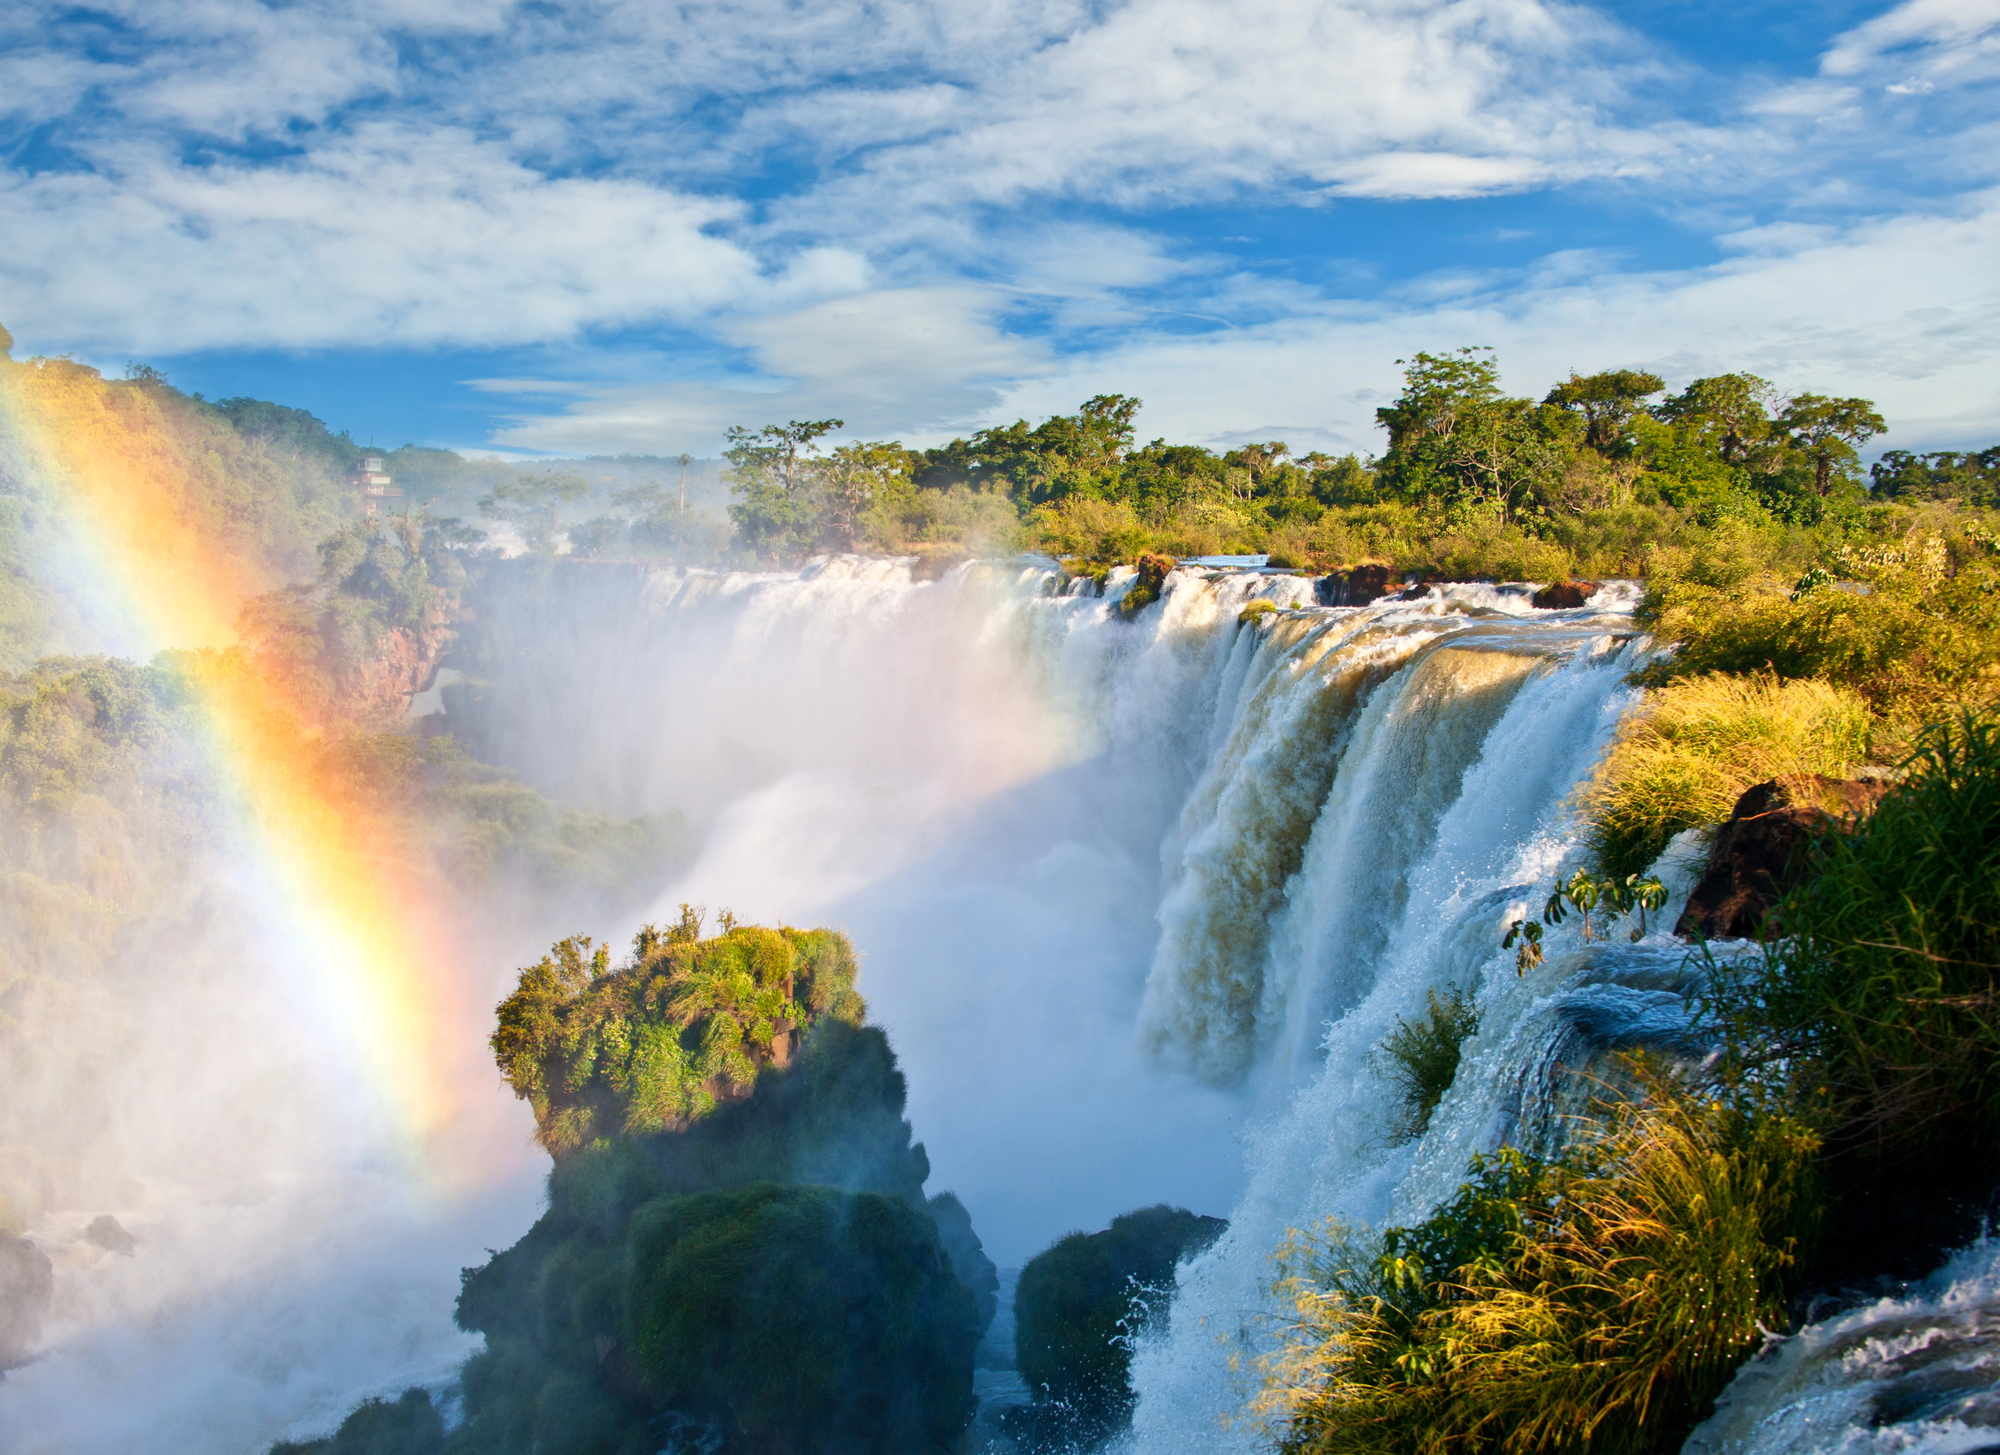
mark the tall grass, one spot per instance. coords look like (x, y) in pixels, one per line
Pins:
(1685, 757)
(1597, 1304)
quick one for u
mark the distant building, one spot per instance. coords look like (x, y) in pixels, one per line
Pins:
(373, 482)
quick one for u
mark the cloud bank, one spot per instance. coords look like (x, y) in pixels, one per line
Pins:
(920, 216)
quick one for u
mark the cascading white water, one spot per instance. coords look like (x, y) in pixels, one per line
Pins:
(1446, 813)
(1915, 1374)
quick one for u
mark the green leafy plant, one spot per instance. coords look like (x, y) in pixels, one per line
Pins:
(661, 1040)
(1421, 1058)
(1883, 997)
(1581, 893)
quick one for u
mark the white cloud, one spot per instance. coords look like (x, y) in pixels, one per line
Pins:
(888, 362)
(1952, 40)
(515, 175)
(389, 236)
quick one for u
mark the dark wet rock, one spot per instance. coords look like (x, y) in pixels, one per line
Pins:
(1564, 595)
(109, 1234)
(1357, 587)
(27, 1284)
(1758, 855)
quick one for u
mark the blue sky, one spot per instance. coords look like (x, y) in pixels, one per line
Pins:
(621, 227)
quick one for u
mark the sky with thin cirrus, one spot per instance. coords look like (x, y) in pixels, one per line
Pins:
(621, 227)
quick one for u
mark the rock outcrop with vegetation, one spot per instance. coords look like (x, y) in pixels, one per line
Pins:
(1077, 1308)
(738, 1254)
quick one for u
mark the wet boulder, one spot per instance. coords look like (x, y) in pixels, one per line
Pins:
(1358, 587)
(1564, 595)
(110, 1235)
(1760, 852)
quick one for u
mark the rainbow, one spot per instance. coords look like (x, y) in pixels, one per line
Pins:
(364, 927)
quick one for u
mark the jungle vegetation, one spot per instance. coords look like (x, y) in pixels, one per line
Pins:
(659, 1041)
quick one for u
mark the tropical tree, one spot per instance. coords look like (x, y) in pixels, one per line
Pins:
(1828, 432)
(1607, 402)
(772, 476)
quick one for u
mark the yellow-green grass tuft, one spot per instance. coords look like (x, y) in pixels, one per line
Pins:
(1593, 1305)
(1685, 757)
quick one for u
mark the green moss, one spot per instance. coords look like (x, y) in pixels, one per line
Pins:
(806, 1318)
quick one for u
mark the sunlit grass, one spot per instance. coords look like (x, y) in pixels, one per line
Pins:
(1686, 756)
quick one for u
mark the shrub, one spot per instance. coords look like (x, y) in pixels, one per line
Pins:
(1598, 1303)
(1686, 756)
(1914, 628)
(1078, 1303)
(1421, 1057)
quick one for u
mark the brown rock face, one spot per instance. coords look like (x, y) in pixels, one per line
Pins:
(1352, 588)
(1758, 855)
(1564, 595)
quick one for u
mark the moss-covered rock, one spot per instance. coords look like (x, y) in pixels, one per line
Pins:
(801, 1318)
(409, 1425)
(1076, 1307)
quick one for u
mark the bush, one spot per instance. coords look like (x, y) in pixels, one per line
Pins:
(1596, 1304)
(1684, 759)
(1078, 1303)
(1914, 626)
(1421, 1057)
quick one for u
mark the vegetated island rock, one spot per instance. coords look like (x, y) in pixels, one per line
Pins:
(1564, 595)
(1358, 587)
(1757, 855)
(27, 1284)
(1076, 1308)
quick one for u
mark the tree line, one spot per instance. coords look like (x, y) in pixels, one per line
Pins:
(1461, 452)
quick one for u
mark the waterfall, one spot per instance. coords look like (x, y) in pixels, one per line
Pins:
(1137, 894)
(1446, 811)
(1918, 1373)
